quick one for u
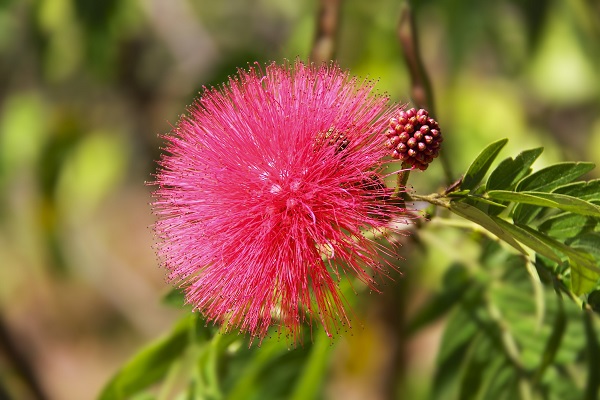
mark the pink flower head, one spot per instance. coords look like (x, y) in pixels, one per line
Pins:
(265, 194)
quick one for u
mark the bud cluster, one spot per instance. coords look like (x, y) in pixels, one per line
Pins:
(414, 138)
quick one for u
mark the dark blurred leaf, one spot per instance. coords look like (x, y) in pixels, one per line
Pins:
(506, 175)
(553, 343)
(95, 14)
(456, 281)
(478, 357)
(535, 15)
(567, 225)
(500, 382)
(594, 300)
(151, 364)
(481, 164)
(479, 217)
(561, 201)
(593, 356)
(458, 335)
(65, 136)
(310, 379)
(266, 372)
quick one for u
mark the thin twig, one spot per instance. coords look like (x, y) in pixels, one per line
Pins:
(323, 49)
(421, 91)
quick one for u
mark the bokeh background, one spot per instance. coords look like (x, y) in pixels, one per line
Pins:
(87, 86)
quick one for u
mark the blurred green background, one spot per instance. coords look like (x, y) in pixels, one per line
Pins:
(86, 86)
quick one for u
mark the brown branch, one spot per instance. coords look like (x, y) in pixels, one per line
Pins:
(323, 49)
(421, 91)
(20, 363)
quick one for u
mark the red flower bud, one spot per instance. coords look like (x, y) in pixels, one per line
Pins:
(415, 136)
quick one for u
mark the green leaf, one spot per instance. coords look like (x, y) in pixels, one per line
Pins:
(584, 271)
(593, 300)
(589, 190)
(583, 279)
(528, 240)
(561, 201)
(593, 354)
(456, 339)
(268, 371)
(456, 282)
(174, 298)
(314, 370)
(502, 381)
(481, 164)
(509, 171)
(151, 364)
(479, 217)
(554, 341)
(545, 180)
(477, 360)
(554, 176)
(588, 242)
(567, 225)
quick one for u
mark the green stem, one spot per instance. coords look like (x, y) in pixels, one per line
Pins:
(402, 179)
(434, 198)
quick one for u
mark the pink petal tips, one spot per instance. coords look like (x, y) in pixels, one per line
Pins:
(265, 193)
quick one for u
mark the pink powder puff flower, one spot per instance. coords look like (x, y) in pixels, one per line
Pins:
(265, 192)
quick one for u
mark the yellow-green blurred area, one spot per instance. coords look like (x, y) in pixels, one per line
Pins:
(87, 85)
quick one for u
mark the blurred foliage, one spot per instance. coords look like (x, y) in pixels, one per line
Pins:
(86, 86)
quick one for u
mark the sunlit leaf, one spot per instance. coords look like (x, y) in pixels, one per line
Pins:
(546, 180)
(554, 176)
(509, 171)
(561, 201)
(481, 164)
